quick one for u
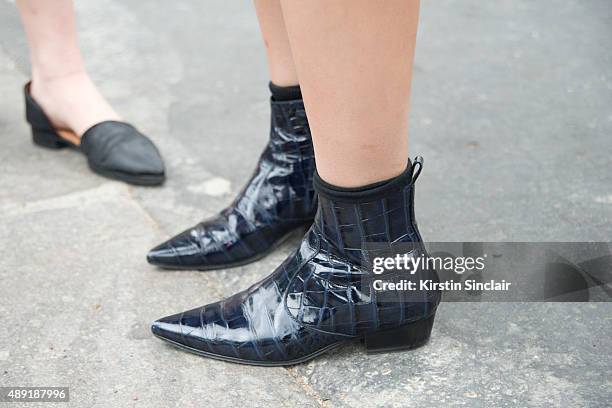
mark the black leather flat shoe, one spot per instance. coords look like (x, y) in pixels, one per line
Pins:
(114, 149)
(278, 200)
(323, 294)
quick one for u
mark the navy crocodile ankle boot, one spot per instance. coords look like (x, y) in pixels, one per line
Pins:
(278, 200)
(324, 295)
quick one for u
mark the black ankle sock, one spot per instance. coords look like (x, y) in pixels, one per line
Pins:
(285, 93)
(370, 191)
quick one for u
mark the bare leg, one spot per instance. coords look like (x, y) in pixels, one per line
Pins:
(354, 61)
(280, 60)
(60, 83)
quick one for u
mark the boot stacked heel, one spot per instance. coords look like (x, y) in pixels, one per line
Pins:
(48, 139)
(401, 338)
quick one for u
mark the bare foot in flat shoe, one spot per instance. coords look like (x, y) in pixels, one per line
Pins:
(72, 102)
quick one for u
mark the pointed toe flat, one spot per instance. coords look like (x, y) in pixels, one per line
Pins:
(118, 150)
(114, 149)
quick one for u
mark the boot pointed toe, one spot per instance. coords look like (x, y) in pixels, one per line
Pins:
(187, 250)
(169, 328)
(163, 255)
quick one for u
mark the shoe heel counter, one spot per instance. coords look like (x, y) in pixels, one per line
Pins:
(34, 114)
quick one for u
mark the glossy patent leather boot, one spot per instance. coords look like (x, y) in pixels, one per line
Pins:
(322, 295)
(278, 200)
(116, 150)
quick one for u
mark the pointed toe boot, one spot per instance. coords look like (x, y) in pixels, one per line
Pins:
(114, 149)
(323, 295)
(277, 201)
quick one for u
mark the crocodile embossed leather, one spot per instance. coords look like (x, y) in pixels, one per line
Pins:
(322, 295)
(278, 200)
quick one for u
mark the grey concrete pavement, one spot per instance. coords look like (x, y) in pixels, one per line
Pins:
(511, 107)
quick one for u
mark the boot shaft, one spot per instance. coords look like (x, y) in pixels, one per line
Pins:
(290, 136)
(281, 187)
(359, 223)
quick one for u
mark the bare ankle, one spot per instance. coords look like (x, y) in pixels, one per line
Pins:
(41, 80)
